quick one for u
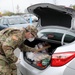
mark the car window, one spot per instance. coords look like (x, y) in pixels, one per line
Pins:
(5, 22)
(16, 20)
(69, 38)
(1, 21)
(54, 36)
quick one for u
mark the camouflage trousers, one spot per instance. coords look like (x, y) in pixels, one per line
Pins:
(7, 69)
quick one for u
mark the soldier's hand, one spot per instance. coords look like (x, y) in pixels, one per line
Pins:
(18, 61)
(41, 49)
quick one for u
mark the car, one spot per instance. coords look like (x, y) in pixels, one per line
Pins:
(13, 21)
(31, 18)
(56, 26)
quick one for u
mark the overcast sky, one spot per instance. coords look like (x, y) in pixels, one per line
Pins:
(11, 5)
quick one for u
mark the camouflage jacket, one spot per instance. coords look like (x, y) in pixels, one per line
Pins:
(10, 39)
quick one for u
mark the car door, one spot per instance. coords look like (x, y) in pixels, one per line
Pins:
(3, 23)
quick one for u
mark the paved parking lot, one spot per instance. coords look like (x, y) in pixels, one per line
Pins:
(17, 52)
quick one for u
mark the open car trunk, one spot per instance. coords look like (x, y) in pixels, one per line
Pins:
(49, 51)
(55, 29)
(54, 42)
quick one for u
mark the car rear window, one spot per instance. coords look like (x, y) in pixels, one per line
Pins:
(69, 38)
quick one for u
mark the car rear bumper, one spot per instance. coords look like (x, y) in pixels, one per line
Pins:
(27, 69)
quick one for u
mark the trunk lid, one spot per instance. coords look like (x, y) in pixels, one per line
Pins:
(52, 15)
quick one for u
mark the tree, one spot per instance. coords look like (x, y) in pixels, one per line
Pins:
(8, 13)
(0, 14)
(73, 6)
(18, 9)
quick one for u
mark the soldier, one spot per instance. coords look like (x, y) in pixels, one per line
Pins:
(10, 39)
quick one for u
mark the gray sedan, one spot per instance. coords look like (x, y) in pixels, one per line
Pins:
(13, 21)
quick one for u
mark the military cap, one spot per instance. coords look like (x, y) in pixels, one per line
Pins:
(32, 29)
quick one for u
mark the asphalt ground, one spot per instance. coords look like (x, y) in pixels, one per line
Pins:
(17, 52)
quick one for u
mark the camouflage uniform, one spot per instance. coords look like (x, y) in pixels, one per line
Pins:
(10, 39)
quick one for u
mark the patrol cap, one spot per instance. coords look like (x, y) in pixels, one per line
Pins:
(32, 29)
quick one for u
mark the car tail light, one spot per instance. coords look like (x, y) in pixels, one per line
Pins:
(60, 59)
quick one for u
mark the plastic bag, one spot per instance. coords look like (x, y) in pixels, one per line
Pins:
(37, 56)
